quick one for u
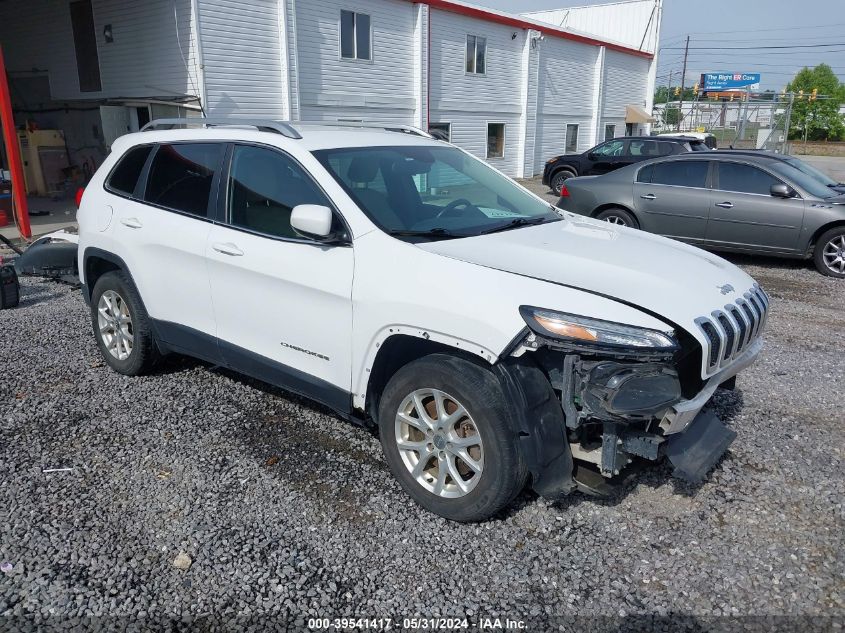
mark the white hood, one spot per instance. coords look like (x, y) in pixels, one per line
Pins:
(674, 280)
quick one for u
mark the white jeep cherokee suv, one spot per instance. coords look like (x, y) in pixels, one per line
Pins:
(493, 340)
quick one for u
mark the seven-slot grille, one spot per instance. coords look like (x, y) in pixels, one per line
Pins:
(730, 331)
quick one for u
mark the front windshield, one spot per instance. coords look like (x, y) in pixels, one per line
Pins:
(808, 169)
(808, 183)
(432, 192)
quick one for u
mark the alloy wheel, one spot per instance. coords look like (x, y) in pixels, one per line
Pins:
(615, 219)
(439, 443)
(115, 324)
(834, 254)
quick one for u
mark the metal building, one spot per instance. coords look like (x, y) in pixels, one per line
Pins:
(513, 89)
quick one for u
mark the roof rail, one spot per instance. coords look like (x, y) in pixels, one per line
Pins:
(389, 127)
(264, 125)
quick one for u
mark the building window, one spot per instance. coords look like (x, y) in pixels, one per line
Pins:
(354, 35)
(85, 45)
(441, 131)
(572, 138)
(476, 55)
(609, 132)
(495, 140)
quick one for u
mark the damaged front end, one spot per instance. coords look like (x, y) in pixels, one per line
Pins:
(620, 389)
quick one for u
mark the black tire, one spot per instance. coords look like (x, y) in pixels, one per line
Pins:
(144, 354)
(559, 178)
(504, 473)
(830, 240)
(618, 216)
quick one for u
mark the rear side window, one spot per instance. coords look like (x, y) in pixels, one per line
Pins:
(125, 175)
(745, 179)
(181, 176)
(697, 146)
(682, 173)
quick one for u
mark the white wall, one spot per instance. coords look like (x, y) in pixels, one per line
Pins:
(625, 83)
(470, 101)
(380, 90)
(242, 58)
(142, 61)
(633, 23)
(566, 96)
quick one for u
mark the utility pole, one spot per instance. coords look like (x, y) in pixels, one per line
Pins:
(683, 79)
(668, 98)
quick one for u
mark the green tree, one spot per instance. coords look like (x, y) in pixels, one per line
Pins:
(663, 94)
(817, 119)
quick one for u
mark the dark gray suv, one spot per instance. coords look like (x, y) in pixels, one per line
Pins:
(722, 201)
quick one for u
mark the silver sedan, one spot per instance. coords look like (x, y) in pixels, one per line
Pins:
(739, 203)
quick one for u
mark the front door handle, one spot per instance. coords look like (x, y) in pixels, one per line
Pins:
(132, 223)
(649, 196)
(725, 205)
(227, 248)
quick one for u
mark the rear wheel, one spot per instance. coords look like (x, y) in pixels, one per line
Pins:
(619, 216)
(121, 325)
(445, 435)
(559, 178)
(829, 255)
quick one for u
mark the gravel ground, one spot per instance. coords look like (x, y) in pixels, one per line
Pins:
(287, 512)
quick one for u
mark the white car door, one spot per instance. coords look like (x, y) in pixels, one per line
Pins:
(162, 229)
(282, 303)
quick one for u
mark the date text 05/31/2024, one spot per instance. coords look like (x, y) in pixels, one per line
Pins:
(415, 624)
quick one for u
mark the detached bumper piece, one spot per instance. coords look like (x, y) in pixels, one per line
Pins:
(695, 451)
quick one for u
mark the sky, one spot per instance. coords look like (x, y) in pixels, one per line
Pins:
(716, 24)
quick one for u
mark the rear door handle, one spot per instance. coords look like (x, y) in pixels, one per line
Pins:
(725, 205)
(132, 223)
(227, 248)
(649, 196)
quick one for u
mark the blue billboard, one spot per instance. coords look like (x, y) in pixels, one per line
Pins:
(730, 81)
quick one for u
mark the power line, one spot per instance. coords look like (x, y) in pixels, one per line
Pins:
(745, 48)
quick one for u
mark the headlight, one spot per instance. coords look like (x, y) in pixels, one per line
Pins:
(551, 160)
(572, 327)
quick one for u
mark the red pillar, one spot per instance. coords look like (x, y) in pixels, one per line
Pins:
(13, 151)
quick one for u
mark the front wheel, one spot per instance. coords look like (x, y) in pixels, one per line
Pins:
(829, 255)
(445, 435)
(620, 217)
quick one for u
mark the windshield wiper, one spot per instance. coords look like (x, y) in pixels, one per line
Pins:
(517, 223)
(431, 233)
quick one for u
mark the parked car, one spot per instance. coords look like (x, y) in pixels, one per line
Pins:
(409, 286)
(613, 154)
(800, 165)
(722, 201)
(707, 138)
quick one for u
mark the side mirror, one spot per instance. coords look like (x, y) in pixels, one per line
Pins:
(312, 220)
(781, 190)
(591, 156)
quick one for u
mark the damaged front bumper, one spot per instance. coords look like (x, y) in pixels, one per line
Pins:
(621, 410)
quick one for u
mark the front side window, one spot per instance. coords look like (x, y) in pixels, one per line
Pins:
(181, 176)
(476, 60)
(495, 140)
(124, 177)
(432, 192)
(571, 138)
(745, 179)
(354, 35)
(614, 148)
(264, 186)
(682, 173)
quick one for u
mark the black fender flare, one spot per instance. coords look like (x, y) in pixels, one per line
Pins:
(538, 420)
